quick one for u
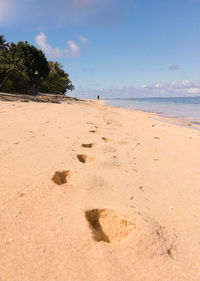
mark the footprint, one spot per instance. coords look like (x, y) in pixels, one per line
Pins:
(107, 139)
(85, 158)
(21, 194)
(108, 226)
(61, 177)
(93, 131)
(88, 145)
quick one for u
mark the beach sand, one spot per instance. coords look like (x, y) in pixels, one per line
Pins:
(90, 192)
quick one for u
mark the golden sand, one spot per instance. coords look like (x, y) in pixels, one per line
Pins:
(118, 204)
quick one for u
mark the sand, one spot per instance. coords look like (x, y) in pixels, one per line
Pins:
(90, 192)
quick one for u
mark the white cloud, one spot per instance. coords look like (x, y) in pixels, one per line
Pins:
(186, 83)
(82, 39)
(71, 51)
(172, 89)
(158, 85)
(193, 91)
(48, 49)
(144, 86)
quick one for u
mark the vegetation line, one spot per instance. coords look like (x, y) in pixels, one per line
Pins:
(25, 69)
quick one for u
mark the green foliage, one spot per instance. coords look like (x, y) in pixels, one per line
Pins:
(57, 81)
(3, 44)
(24, 68)
(34, 63)
(17, 82)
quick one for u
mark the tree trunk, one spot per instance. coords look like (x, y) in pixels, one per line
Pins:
(33, 91)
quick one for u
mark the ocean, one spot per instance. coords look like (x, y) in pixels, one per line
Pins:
(185, 108)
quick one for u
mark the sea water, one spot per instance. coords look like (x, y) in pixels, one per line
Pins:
(187, 108)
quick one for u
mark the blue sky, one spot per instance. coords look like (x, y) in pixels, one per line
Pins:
(116, 48)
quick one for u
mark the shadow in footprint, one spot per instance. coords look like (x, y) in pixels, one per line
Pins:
(108, 226)
(93, 131)
(88, 145)
(85, 158)
(107, 139)
(61, 177)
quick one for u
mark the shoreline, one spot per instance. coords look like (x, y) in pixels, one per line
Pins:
(54, 98)
(188, 117)
(95, 192)
(185, 122)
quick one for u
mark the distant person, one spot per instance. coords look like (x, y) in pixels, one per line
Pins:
(98, 97)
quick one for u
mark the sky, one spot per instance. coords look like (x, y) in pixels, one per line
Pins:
(114, 48)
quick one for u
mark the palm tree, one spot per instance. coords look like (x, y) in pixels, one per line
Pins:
(3, 44)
